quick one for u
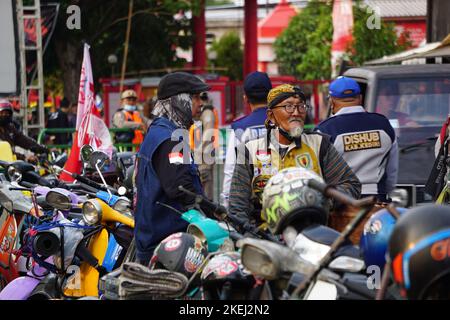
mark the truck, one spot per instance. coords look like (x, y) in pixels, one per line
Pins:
(416, 100)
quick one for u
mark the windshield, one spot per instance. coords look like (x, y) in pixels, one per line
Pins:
(415, 102)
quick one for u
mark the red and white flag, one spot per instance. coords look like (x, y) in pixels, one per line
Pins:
(342, 31)
(91, 129)
(176, 158)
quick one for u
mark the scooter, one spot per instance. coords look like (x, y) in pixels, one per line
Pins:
(22, 287)
(14, 206)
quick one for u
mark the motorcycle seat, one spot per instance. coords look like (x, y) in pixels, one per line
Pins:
(321, 234)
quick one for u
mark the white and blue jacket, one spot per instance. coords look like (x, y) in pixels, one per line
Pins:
(367, 142)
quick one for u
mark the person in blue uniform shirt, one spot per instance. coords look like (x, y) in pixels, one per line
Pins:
(366, 140)
(163, 165)
(256, 87)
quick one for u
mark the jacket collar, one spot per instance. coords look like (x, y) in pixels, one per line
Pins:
(347, 110)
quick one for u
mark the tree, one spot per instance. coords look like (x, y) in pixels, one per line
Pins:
(304, 48)
(229, 55)
(369, 44)
(155, 35)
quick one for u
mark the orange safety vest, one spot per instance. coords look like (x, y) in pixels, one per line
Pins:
(138, 135)
(195, 133)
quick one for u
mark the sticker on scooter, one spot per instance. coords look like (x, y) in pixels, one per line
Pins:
(172, 245)
(193, 260)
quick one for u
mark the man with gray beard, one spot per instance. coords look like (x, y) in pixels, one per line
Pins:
(286, 145)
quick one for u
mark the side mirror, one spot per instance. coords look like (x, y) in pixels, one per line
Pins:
(86, 152)
(98, 158)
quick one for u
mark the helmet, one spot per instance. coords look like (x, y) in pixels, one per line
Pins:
(180, 252)
(5, 105)
(375, 237)
(419, 251)
(224, 277)
(128, 94)
(287, 200)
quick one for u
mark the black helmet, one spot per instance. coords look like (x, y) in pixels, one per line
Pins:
(419, 251)
(224, 277)
(180, 82)
(180, 252)
(287, 200)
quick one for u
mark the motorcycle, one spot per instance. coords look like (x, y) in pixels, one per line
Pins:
(14, 206)
(294, 274)
(92, 247)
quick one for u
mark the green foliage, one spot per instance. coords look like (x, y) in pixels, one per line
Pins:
(369, 44)
(217, 2)
(229, 55)
(154, 37)
(304, 47)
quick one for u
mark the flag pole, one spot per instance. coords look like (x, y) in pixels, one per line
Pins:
(127, 40)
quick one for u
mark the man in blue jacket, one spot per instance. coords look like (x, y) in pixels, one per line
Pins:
(164, 163)
(366, 140)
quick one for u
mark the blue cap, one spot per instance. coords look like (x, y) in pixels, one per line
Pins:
(257, 84)
(344, 87)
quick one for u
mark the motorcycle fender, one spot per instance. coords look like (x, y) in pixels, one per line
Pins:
(89, 276)
(322, 291)
(19, 289)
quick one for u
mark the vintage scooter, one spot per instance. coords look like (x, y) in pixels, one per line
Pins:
(14, 206)
(97, 212)
(22, 287)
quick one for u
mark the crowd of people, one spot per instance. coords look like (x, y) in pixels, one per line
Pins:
(353, 150)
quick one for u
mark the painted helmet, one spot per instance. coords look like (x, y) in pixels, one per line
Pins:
(287, 200)
(180, 252)
(5, 105)
(419, 252)
(375, 236)
(224, 277)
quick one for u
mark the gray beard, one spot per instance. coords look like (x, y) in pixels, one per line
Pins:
(296, 132)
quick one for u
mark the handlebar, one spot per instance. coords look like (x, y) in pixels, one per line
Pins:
(218, 210)
(335, 194)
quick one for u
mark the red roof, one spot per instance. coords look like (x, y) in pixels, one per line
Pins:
(272, 25)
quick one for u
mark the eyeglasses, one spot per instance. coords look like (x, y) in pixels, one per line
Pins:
(291, 107)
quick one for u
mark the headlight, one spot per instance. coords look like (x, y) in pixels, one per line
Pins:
(92, 212)
(347, 264)
(123, 206)
(58, 200)
(14, 174)
(258, 262)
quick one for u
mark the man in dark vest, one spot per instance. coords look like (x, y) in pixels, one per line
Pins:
(164, 162)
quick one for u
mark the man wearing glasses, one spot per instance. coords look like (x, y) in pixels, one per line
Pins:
(366, 140)
(286, 145)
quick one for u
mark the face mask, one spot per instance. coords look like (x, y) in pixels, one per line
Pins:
(127, 107)
(293, 134)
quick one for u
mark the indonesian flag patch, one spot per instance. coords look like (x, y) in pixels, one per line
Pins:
(176, 158)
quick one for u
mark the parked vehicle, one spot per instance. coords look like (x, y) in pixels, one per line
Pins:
(416, 100)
